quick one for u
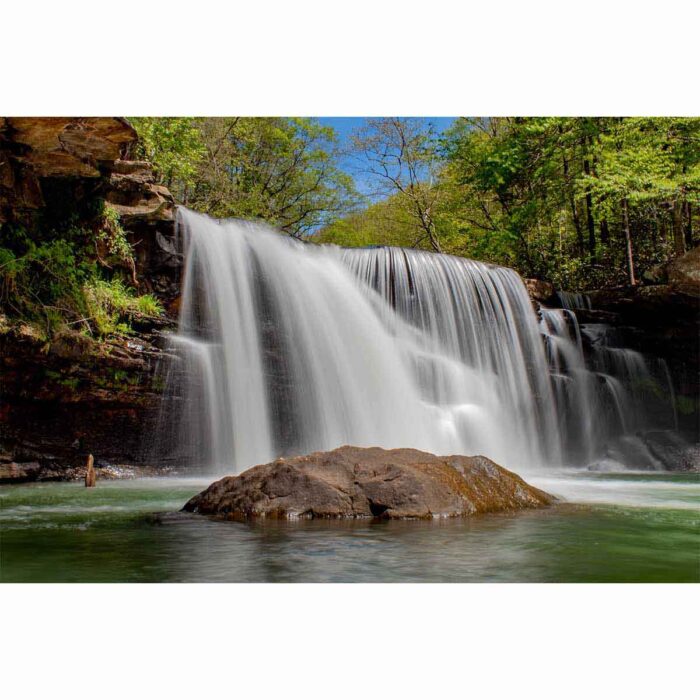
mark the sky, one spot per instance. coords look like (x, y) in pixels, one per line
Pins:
(344, 126)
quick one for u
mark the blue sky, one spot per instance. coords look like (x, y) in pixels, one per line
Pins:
(344, 126)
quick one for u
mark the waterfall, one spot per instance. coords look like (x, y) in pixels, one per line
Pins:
(287, 348)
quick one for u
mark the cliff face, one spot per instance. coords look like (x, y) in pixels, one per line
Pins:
(51, 162)
(663, 319)
(69, 396)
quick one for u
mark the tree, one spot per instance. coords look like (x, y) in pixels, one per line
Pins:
(384, 223)
(401, 156)
(581, 201)
(647, 164)
(281, 170)
(175, 147)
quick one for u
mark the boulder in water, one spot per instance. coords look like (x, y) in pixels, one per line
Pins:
(352, 482)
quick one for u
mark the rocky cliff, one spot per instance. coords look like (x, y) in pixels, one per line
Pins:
(55, 163)
(68, 396)
(662, 317)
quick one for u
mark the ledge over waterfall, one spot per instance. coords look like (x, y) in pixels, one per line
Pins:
(352, 482)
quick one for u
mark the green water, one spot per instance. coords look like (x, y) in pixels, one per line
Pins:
(613, 528)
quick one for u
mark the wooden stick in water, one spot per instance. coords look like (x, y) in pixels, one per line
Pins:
(90, 476)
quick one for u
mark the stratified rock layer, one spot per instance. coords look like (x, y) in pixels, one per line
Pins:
(352, 482)
(65, 396)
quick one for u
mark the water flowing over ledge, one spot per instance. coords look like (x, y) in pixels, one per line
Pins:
(287, 348)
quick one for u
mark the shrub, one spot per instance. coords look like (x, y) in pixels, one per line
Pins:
(72, 277)
(112, 306)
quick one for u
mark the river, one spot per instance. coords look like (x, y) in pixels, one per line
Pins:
(624, 527)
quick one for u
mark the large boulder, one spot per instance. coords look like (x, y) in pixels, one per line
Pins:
(352, 482)
(684, 273)
(539, 290)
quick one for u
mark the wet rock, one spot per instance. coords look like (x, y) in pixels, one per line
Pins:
(17, 472)
(684, 273)
(71, 345)
(659, 320)
(72, 395)
(352, 482)
(539, 290)
(674, 453)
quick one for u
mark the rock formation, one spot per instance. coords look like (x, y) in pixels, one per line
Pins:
(81, 157)
(684, 274)
(539, 290)
(662, 320)
(352, 482)
(73, 395)
(64, 397)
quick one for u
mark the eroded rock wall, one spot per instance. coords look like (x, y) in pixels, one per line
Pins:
(63, 398)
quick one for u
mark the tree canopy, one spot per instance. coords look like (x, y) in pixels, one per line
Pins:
(579, 201)
(282, 170)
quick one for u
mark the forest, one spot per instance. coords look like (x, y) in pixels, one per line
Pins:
(583, 202)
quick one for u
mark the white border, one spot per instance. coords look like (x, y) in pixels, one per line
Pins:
(360, 58)
(349, 641)
(367, 57)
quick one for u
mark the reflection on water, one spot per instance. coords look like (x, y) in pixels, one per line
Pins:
(625, 528)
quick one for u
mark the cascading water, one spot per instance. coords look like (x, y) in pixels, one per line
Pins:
(286, 348)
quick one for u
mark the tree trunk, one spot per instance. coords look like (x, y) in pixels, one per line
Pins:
(434, 241)
(574, 210)
(677, 218)
(589, 213)
(688, 226)
(628, 243)
(604, 231)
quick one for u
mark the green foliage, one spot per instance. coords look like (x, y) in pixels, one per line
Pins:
(174, 146)
(548, 196)
(686, 405)
(63, 277)
(385, 223)
(147, 305)
(113, 236)
(281, 170)
(41, 279)
(111, 304)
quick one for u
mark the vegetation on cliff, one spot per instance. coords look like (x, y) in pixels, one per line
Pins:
(75, 271)
(281, 170)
